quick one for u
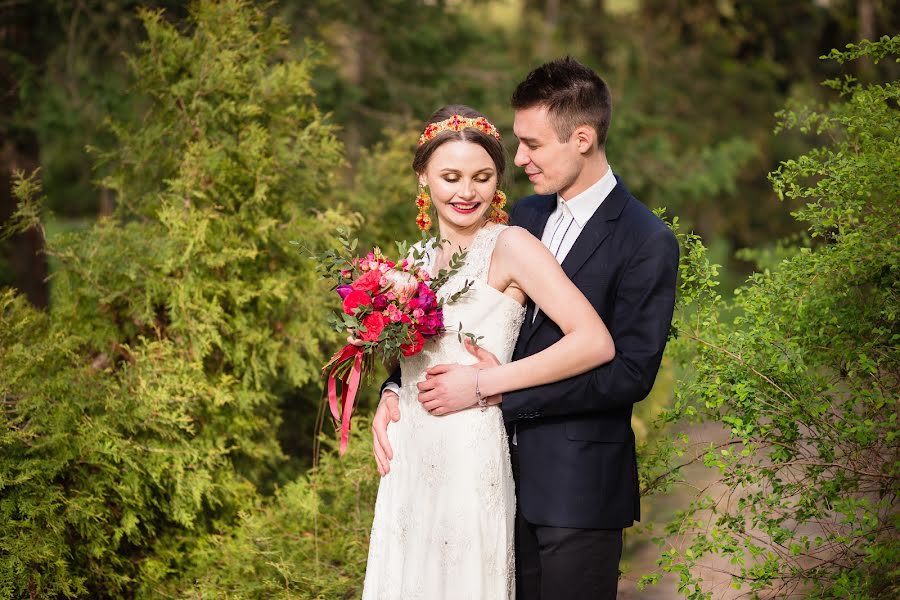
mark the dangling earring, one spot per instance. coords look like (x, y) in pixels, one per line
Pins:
(423, 201)
(498, 215)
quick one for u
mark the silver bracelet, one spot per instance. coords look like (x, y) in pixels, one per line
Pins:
(482, 402)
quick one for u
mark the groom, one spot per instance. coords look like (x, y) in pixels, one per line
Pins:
(572, 446)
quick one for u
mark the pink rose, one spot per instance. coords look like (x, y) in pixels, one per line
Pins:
(393, 313)
(427, 298)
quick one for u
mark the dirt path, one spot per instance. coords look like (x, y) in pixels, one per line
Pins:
(641, 553)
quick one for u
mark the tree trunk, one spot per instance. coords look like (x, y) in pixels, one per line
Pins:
(598, 31)
(106, 202)
(551, 21)
(20, 26)
(866, 16)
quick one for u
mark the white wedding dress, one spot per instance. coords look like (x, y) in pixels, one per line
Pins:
(444, 518)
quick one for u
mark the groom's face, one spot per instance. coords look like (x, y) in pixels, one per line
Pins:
(551, 166)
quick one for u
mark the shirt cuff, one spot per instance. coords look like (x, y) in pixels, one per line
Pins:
(391, 387)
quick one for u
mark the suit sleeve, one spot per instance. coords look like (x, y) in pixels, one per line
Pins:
(639, 326)
(394, 378)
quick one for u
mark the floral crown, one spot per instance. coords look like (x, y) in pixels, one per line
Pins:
(458, 123)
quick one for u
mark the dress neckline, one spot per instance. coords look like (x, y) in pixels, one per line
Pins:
(488, 226)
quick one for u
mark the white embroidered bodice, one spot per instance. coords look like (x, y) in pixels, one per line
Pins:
(444, 517)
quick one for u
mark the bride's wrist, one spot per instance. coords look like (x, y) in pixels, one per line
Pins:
(480, 399)
(488, 384)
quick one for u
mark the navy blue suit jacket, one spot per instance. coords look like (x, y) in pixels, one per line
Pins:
(576, 449)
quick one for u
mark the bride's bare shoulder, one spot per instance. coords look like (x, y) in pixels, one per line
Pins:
(515, 239)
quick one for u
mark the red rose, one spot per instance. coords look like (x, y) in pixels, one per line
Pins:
(374, 324)
(415, 346)
(354, 299)
(370, 282)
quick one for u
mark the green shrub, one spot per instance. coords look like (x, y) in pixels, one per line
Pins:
(806, 376)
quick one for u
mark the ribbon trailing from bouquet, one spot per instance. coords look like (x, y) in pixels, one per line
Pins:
(349, 386)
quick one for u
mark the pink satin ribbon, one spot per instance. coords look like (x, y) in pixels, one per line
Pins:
(349, 387)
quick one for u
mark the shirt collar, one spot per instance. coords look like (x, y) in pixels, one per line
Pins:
(583, 206)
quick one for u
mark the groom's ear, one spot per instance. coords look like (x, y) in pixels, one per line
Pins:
(585, 138)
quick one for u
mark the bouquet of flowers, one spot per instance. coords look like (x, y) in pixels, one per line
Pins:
(389, 307)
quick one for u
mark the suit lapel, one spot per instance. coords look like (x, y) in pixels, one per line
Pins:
(595, 231)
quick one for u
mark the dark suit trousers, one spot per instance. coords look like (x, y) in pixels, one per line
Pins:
(564, 563)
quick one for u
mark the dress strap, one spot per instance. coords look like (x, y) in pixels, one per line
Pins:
(478, 257)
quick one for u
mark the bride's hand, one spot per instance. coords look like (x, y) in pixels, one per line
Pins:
(448, 389)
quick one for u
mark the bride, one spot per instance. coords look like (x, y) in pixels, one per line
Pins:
(444, 517)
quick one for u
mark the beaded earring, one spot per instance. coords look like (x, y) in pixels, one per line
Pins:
(423, 201)
(498, 215)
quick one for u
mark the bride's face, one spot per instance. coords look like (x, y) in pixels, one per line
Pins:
(462, 180)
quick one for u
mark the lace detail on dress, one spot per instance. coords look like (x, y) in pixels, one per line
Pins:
(444, 518)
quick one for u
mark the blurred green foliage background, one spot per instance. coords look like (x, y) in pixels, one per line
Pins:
(168, 393)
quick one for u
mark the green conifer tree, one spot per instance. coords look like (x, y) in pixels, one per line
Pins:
(139, 413)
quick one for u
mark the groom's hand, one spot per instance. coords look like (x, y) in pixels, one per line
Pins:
(388, 410)
(451, 388)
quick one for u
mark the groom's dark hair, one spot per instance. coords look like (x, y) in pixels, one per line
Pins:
(573, 94)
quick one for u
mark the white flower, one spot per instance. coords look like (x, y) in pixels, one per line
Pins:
(403, 284)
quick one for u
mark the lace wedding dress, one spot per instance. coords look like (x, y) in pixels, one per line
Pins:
(443, 527)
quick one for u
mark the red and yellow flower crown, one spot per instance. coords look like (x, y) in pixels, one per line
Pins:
(458, 123)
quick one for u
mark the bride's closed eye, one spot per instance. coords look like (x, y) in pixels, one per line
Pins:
(480, 179)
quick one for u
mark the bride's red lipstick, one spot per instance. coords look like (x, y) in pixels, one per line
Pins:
(467, 209)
